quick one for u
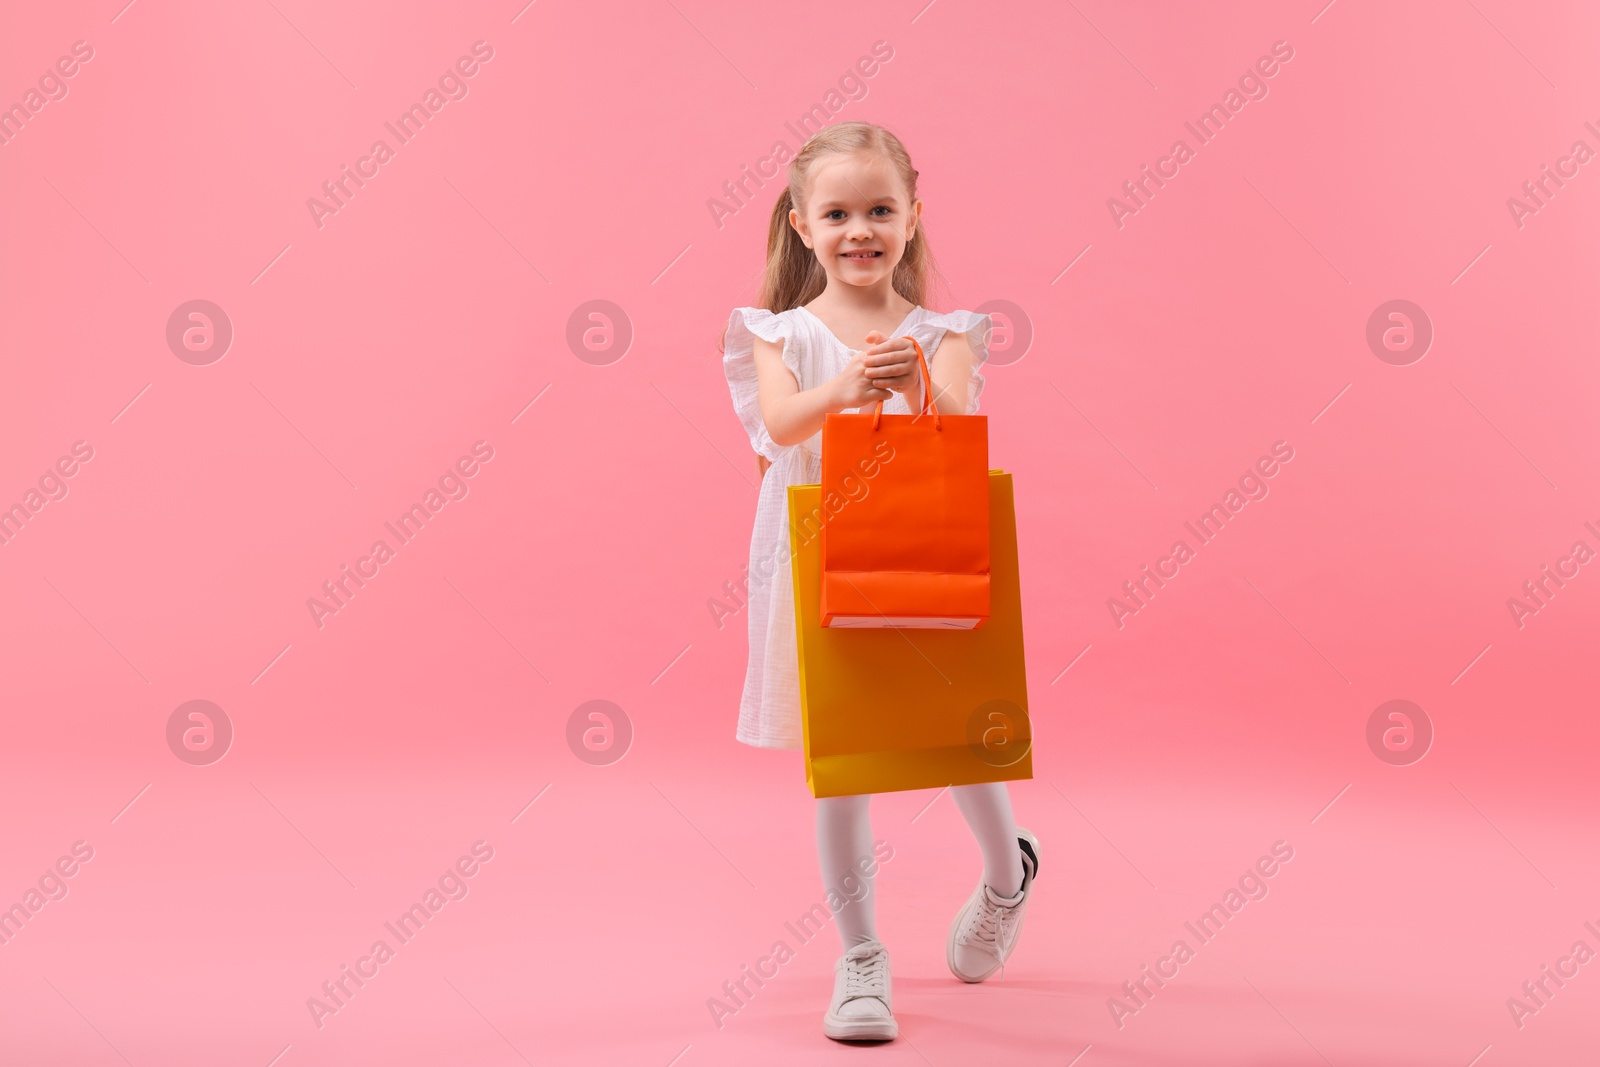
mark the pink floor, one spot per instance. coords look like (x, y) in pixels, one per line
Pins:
(1417, 899)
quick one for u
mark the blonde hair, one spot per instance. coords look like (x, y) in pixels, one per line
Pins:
(793, 275)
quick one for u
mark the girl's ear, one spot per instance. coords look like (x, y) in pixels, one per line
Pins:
(800, 226)
(916, 216)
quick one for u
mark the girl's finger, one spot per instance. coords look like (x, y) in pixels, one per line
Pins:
(898, 346)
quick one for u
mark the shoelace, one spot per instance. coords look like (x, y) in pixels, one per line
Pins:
(863, 975)
(992, 925)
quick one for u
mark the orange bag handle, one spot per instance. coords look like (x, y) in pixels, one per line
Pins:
(928, 406)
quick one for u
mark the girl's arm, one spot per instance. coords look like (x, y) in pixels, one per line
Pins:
(793, 414)
(952, 374)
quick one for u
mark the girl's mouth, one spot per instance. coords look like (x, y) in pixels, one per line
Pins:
(862, 255)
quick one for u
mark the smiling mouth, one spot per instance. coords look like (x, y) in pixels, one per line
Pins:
(861, 255)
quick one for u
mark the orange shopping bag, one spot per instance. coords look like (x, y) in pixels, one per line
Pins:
(913, 549)
(889, 709)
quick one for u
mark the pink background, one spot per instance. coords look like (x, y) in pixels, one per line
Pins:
(368, 354)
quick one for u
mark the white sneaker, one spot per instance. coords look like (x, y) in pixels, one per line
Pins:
(986, 930)
(860, 1007)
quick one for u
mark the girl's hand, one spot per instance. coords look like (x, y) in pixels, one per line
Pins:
(855, 387)
(892, 364)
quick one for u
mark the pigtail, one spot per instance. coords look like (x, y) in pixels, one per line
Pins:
(793, 275)
(916, 266)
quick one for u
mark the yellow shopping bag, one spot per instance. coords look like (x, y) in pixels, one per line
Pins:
(894, 708)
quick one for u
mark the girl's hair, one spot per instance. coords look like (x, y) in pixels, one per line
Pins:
(793, 276)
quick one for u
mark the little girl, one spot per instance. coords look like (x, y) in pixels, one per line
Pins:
(847, 266)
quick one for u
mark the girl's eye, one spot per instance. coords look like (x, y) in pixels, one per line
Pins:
(833, 216)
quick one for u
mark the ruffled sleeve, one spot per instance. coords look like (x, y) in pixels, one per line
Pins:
(739, 364)
(931, 330)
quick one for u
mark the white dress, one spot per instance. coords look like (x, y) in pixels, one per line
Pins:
(769, 711)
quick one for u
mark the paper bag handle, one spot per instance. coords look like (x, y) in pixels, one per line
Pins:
(928, 406)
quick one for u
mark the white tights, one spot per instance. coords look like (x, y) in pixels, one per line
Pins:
(844, 837)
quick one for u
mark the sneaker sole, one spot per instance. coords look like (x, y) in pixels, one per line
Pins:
(1032, 852)
(860, 1029)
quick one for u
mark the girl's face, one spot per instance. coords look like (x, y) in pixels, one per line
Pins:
(858, 219)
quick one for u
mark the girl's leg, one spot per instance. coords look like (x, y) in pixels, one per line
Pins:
(844, 838)
(987, 808)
